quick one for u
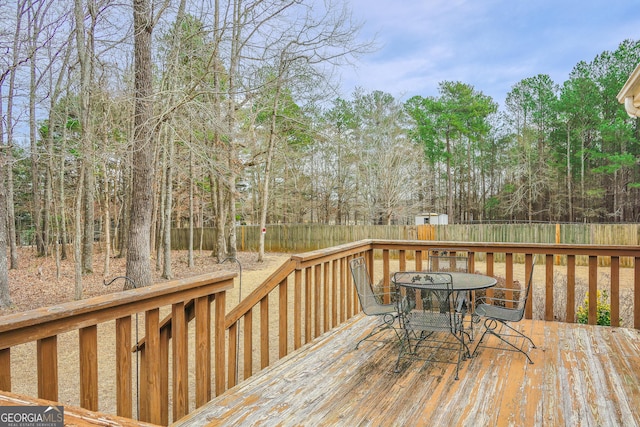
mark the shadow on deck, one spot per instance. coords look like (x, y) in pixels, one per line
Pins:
(582, 375)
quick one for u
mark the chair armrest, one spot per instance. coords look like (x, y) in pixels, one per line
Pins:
(499, 296)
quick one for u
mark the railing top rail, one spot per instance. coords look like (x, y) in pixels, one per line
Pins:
(533, 248)
(28, 325)
(260, 292)
(322, 255)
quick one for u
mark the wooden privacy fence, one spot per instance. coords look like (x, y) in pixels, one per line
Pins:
(296, 238)
(308, 295)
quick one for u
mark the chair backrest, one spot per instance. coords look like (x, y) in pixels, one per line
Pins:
(369, 301)
(443, 259)
(522, 303)
(431, 306)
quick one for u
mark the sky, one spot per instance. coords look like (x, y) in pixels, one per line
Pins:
(489, 44)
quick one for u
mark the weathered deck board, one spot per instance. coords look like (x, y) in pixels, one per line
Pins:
(582, 375)
(73, 416)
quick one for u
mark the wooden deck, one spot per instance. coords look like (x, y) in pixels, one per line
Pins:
(582, 375)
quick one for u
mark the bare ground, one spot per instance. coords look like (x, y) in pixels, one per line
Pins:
(39, 282)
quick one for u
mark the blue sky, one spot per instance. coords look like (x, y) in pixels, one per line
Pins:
(490, 44)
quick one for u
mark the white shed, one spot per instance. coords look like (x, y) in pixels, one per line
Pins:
(432, 218)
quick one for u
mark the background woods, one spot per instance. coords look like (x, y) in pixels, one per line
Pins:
(121, 122)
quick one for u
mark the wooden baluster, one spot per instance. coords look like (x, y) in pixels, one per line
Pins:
(248, 344)
(165, 335)
(203, 351)
(334, 293)
(593, 290)
(47, 361)
(509, 279)
(264, 332)
(283, 308)
(325, 302)
(233, 354)
(219, 342)
(297, 310)
(124, 393)
(386, 272)
(548, 303)
(489, 271)
(571, 289)
(180, 348)
(317, 283)
(5, 369)
(152, 366)
(307, 304)
(528, 265)
(88, 347)
(615, 291)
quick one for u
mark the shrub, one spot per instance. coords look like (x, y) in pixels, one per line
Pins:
(603, 309)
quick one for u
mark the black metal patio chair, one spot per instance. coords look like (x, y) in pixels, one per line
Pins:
(499, 311)
(372, 302)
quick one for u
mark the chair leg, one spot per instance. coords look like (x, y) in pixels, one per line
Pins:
(387, 323)
(406, 341)
(490, 326)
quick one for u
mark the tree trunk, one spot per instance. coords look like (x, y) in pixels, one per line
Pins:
(77, 237)
(569, 178)
(139, 250)
(166, 272)
(267, 169)
(5, 299)
(191, 210)
(35, 158)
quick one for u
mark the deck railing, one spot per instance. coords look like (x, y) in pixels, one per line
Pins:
(314, 290)
(308, 295)
(186, 299)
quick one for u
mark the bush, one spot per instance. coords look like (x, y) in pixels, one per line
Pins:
(603, 309)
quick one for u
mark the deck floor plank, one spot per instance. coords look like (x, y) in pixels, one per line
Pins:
(582, 375)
